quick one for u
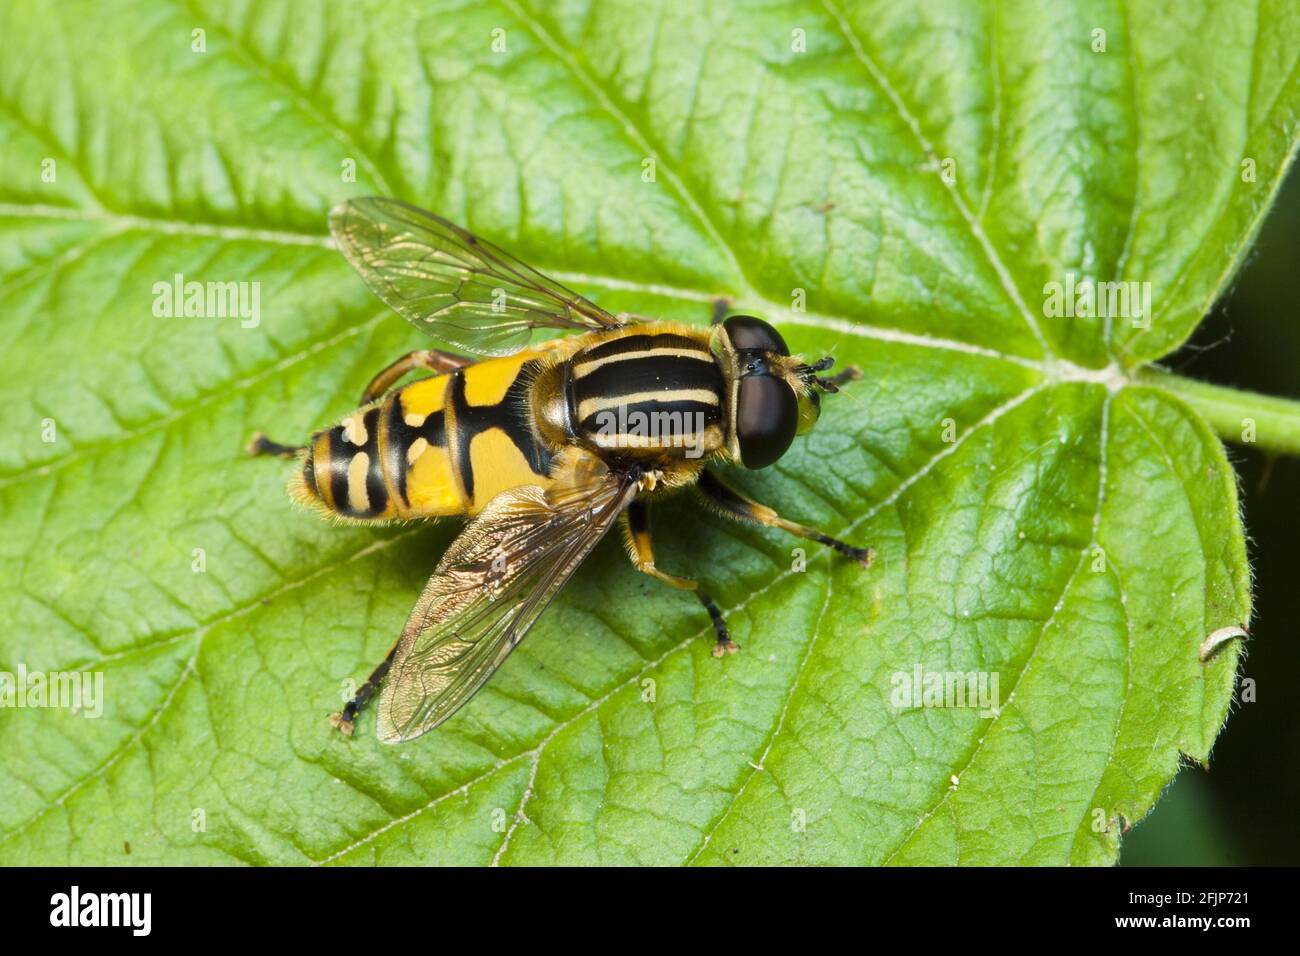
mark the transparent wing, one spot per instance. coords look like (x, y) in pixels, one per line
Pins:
(489, 589)
(452, 284)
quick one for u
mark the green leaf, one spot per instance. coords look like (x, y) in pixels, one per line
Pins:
(1039, 515)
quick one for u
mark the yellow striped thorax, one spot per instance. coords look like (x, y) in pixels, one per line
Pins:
(655, 392)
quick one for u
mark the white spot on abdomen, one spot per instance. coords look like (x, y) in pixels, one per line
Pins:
(354, 429)
(418, 448)
(358, 497)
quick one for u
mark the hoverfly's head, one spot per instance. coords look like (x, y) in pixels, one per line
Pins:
(775, 395)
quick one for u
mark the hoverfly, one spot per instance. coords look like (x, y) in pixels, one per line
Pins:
(543, 448)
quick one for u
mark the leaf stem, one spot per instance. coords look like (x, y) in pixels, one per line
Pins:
(1230, 411)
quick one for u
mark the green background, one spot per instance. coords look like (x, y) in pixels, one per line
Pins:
(1243, 810)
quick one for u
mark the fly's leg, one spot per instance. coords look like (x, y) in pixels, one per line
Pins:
(636, 530)
(259, 444)
(735, 505)
(345, 720)
(850, 374)
(432, 359)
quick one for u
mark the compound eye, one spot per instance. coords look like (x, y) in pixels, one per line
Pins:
(751, 332)
(767, 415)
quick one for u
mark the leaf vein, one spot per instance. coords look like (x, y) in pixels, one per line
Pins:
(976, 230)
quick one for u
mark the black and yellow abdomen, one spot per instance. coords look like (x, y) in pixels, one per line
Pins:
(444, 445)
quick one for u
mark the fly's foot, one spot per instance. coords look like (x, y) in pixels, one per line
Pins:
(724, 643)
(342, 724)
(851, 373)
(864, 556)
(259, 444)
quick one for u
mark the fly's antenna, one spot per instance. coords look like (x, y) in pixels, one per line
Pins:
(808, 373)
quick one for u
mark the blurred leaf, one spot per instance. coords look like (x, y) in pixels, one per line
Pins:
(1074, 536)
(1191, 829)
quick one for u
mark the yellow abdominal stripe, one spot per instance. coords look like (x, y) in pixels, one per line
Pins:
(493, 454)
(431, 485)
(487, 382)
(421, 399)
